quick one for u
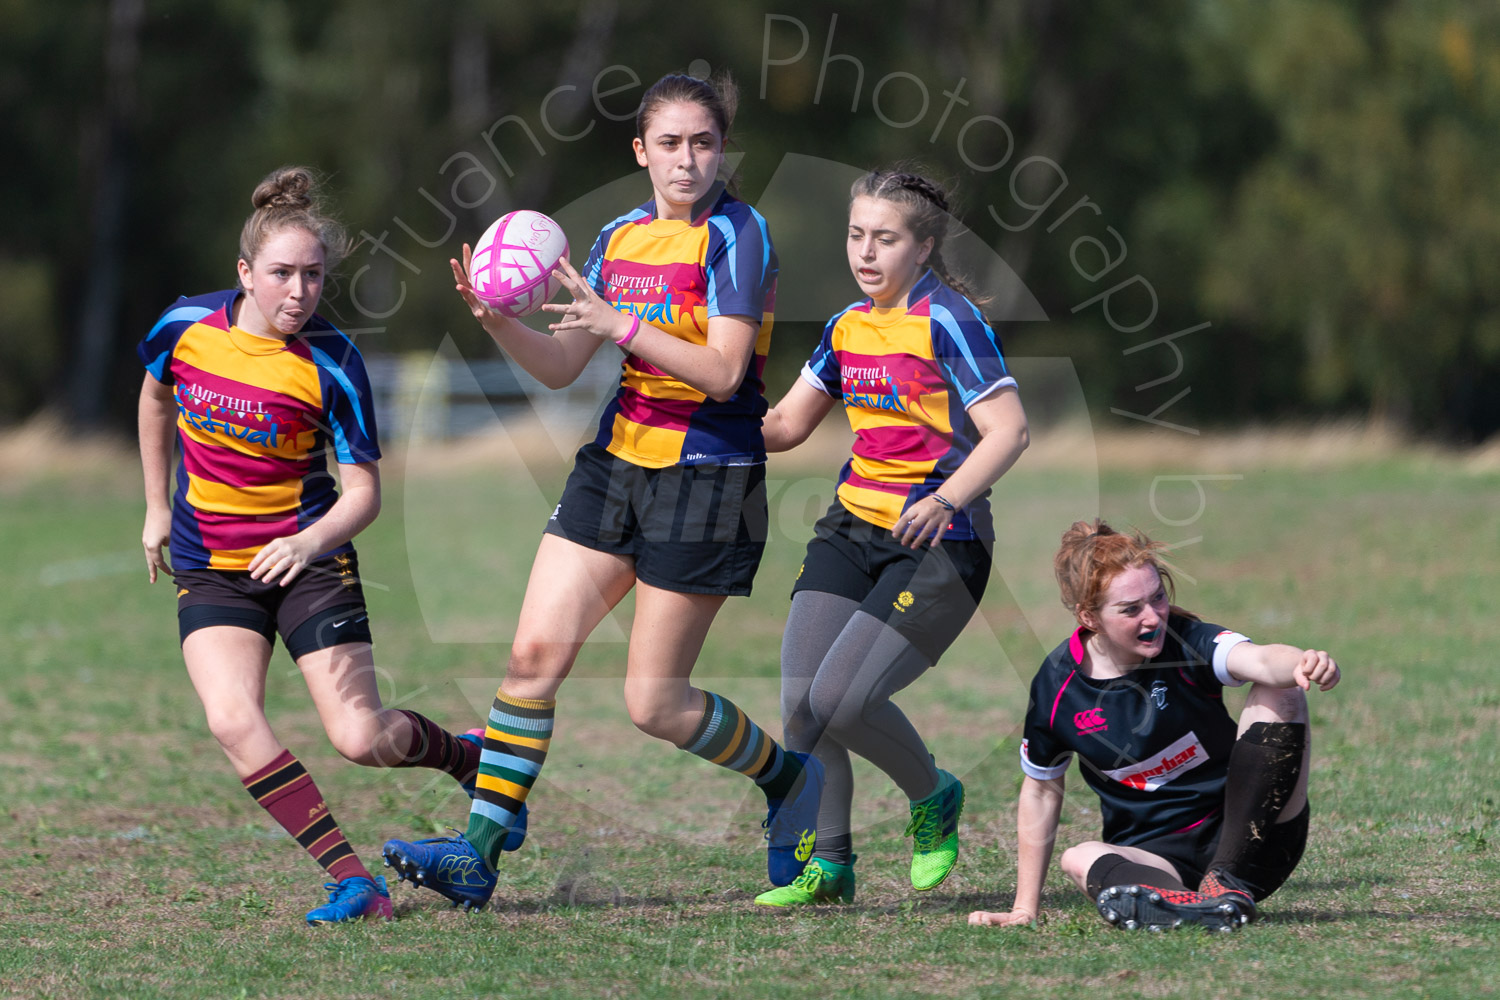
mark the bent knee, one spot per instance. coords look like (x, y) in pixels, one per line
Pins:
(1078, 859)
(831, 706)
(361, 745)
(661, 712)
(1268, 704)
(237, 728)
(538, 667)
(645, 716)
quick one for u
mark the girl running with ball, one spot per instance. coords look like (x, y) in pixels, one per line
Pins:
(259, 393)
(669, 499)
(901, 559)
(1188, 797)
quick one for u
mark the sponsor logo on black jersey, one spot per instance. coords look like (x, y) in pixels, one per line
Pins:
(1168, 765)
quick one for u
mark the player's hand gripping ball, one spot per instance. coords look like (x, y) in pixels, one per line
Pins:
(511, 268)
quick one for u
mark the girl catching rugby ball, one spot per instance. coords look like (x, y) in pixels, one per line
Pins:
(669, 499)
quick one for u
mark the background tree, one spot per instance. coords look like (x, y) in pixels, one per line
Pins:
(1311, 179)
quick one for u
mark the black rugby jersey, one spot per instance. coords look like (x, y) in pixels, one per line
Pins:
(1154, 744)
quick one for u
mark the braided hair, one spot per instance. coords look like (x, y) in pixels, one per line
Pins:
(924, 205)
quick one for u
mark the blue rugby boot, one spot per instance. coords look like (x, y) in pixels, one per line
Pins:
(447, 865)
(517, 835)
(792, 823)
(353, 899)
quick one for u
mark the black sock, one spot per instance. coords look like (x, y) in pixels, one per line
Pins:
(1263, 770)
(1115, 869)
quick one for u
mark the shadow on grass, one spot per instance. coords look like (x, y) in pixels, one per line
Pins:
(570, 898)
(1321, 915)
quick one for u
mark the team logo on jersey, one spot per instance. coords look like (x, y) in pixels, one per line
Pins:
(1090, 720)
(1159, 693)
(1169, 765)
(647, 297)
(904, 600)
(878, 389)
(217, 414)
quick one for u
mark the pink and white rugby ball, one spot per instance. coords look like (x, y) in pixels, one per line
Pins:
(511, 269)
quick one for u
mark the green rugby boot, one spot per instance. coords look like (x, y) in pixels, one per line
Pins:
(820, 882)
(934, 831)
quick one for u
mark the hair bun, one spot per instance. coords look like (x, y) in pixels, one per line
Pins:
(1083, 531)
(289, 187)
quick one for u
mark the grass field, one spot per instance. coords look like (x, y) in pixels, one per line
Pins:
(133, 865)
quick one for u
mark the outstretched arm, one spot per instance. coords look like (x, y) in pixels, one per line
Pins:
(1278, 665)
(791, 421)
(555, 361)
(1037, 813)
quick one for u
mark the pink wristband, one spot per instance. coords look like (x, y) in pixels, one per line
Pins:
(635, 327)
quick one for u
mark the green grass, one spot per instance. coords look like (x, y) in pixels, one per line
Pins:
(134, 865)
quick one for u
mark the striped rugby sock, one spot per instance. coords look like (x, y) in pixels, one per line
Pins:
(433, 746)
(286, 791)
(728, 737)
(515, 746)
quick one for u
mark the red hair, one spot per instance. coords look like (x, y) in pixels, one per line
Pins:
(1093, 554)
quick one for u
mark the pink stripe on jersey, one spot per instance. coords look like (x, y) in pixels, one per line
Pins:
(670, 414)
(1211, 814)
(1052, 719)
(909, 371)
(217, 389)
(918, 444)
(632, 281)
(234, 468)
(230, 532)
(894, 489)
(645, 368)
(1075, 646)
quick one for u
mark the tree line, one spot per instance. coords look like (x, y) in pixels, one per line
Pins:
(1222, 210)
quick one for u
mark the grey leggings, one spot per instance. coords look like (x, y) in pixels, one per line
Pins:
(839, 668)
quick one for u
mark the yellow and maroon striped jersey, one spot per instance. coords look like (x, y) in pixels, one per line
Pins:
(907, 376)
(256, 420)
(678, 275)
